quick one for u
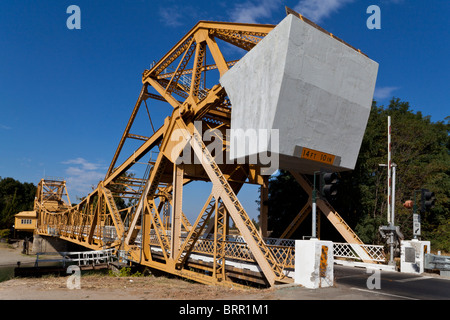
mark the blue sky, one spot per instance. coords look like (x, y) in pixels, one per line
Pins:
(66, 95)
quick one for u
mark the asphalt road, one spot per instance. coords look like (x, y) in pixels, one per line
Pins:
(394, 284)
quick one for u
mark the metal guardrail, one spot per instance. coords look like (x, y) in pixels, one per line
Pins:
(437, 262)
(105, 233)
(236, 248)
(282, 249)
(81, 258)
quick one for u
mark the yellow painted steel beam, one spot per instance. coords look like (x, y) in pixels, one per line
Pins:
(200, 51)
(162, 91)
(347, 233)
(136, 156)
(181, 66)
(127, 130)
(222, 189)
(177, 50)
(336, 220)
(296, 222)
(82, 224)
(148, 191)
(217, 55)
(113, 211)
(201, 69)
(176, 218)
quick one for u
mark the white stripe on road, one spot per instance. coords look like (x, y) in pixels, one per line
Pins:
(377, 291)
(412, 279)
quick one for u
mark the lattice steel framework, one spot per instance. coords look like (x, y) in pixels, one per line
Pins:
(153, 230)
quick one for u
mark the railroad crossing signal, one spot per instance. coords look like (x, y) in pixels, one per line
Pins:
(427, 200)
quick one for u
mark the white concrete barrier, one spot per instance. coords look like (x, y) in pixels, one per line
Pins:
(314, 263)
(412, 255)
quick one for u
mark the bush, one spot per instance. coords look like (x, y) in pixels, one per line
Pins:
(5, 233)
(126, 272)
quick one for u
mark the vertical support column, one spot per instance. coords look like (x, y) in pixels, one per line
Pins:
(314, 210)
(389, 171)
(92, 224)
(146, 226)
(197, 70)
(178, 172)
(264, 208)
(393, 195)
(318, 225)
(220, 228)
(165, 206)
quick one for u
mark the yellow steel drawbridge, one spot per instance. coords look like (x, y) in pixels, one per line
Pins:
(154, 231)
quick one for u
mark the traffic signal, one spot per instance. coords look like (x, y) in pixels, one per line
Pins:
(328, 185)
(427, 200)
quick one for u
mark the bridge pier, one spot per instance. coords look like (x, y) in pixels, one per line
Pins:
(48, 244)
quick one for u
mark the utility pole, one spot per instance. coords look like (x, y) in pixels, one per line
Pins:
(328, 191)
(394, 166)
(390, 231)
(314, 208)
(392, 220)
(389, 171)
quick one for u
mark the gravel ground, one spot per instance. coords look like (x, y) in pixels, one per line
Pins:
(10, 255)
(107, 287)
(104, 287)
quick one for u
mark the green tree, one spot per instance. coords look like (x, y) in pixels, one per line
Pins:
(420, 150)
(286, 198)
(14, 198)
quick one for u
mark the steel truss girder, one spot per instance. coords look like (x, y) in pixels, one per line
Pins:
(86, 223)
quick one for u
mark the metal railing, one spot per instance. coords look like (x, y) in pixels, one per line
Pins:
(347, 251)
(81, 258)
(236, 248)
(106, 233)
(282, 249)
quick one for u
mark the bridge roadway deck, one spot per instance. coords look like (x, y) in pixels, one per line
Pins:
(235, 268)
(239, 260)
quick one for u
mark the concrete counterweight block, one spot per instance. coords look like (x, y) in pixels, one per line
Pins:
(314, 263)
(315, 90)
